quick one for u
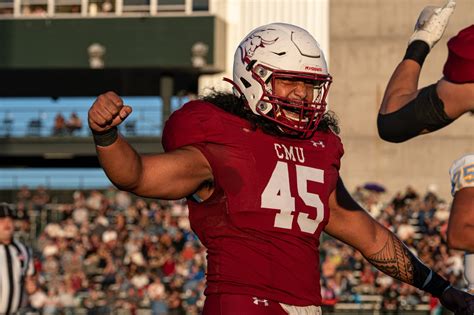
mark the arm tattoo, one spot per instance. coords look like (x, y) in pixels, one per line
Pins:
(395, 260)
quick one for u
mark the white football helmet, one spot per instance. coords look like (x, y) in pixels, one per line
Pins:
(287, 52)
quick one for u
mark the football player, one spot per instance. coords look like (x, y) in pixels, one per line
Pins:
(260, 170)
(407, 111)
(460, 226)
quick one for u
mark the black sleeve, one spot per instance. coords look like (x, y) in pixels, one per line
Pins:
(344, 199)
(426, 111)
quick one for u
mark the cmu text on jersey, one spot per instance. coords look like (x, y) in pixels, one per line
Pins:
(289, 153)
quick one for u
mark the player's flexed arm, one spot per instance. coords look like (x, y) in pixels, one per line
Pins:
(351, 224)
(171, 175)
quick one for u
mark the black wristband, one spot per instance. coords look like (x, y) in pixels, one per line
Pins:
(435, 284)
(105, 138)
(417, 51)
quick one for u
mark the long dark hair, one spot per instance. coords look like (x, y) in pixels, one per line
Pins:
(235, 105)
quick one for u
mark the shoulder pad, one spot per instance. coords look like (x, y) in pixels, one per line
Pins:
(334, 142)
(338, 143)
(462, 173)
(196, 122)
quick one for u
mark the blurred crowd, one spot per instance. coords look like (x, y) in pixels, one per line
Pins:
(110, 252)
(418, 220)
(63, 126)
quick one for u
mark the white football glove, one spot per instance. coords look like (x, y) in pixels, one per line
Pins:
(432, 22)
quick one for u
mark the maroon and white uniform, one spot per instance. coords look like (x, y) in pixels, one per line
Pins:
(262, 224)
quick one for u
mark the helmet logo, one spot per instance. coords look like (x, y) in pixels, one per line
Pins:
(257, 39)
(312, 68)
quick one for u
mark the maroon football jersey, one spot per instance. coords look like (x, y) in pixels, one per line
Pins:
(262, 224)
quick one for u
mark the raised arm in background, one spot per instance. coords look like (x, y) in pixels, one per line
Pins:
(407, 110)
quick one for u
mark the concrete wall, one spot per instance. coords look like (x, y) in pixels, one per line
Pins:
(367, 40)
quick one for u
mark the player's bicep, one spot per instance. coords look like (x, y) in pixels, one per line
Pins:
(461, 220)
(401, 88)
(173, 175)
(462, 212)
(351, 224)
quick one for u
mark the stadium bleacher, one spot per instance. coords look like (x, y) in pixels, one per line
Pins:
(102, 251)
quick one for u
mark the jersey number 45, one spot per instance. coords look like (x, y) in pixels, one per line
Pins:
(277, 195)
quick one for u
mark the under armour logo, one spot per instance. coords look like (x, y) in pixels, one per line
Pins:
(318, 143)
(256, 301)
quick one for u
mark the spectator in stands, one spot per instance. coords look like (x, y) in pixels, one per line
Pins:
(37, 300)
(59, 127)
(107, 6)
(176, 304)
(157, 294)
(66, 297)
(23, 194)
(39, 10)
(40, 198)
(329, 296)
(390, 303)
(73, 124)
(51, 305)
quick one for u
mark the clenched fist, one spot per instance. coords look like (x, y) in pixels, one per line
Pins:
(107, 112)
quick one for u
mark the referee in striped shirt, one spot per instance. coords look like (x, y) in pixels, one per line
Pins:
(16, 264)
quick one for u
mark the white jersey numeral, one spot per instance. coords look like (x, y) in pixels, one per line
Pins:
(277, 195)
(303, 175)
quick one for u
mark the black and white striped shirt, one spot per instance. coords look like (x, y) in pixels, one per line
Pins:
(16, 262)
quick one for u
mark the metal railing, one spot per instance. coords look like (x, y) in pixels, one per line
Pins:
(36, 117)
(98, 8)
(145, 122)
(64, 179)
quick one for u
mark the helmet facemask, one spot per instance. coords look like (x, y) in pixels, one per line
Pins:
(295, 117)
